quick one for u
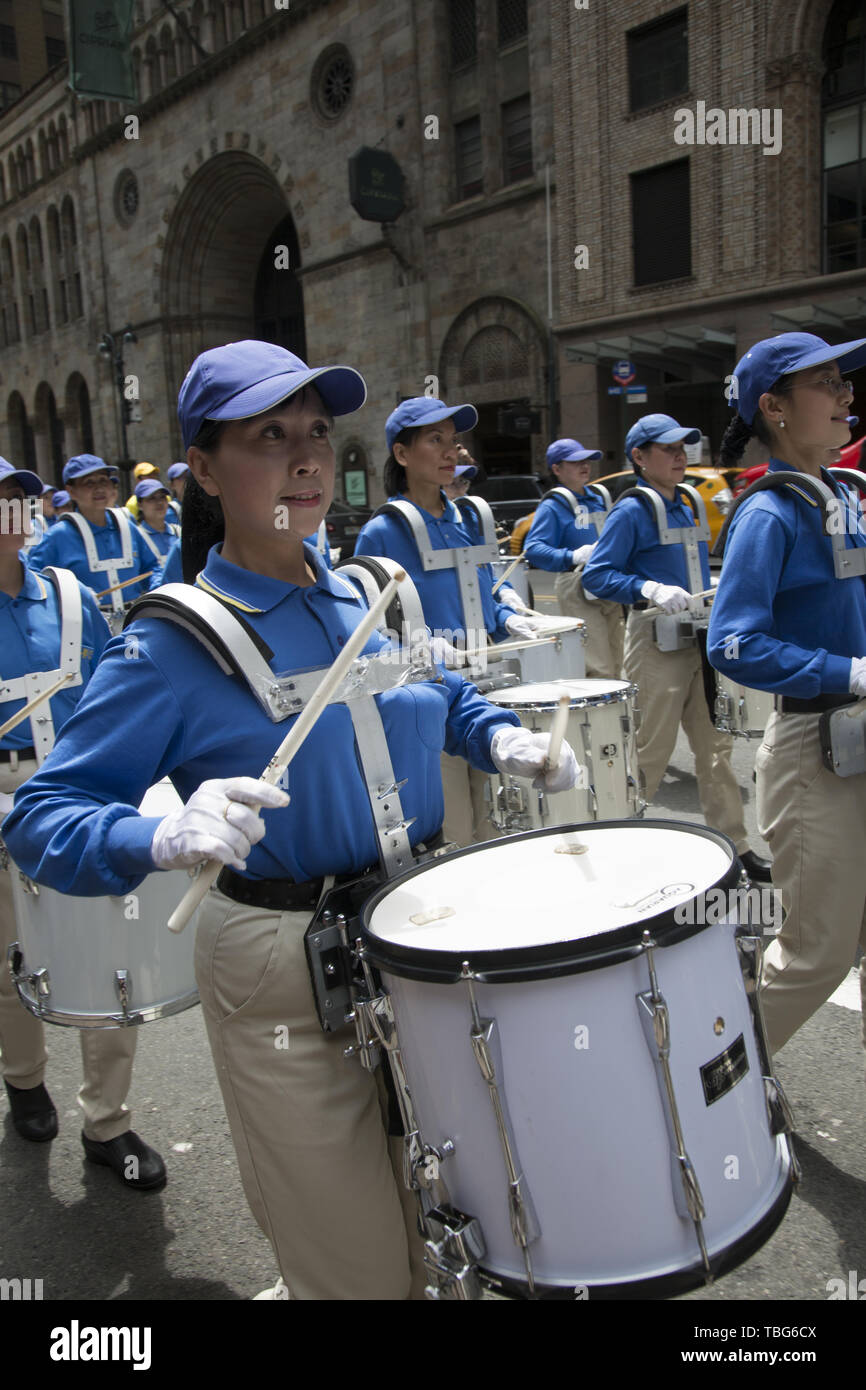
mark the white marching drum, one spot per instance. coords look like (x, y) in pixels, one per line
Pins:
(601, 730)
(582, 1059)
(556, 654)
(104, 962)
(741, 710)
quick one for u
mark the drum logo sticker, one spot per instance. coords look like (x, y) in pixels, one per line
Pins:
(657, 898)
(722, 1074)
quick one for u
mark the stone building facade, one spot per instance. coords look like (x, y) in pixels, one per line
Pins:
(172, 223)
(674, 256)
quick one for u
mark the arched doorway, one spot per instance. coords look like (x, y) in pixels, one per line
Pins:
(213, 276)
(48, 435)
(22, 449)
(495, 356)
(279, 299)
(77, 417)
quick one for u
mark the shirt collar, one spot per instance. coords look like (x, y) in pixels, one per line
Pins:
(451, 513)
(33, 587)
(258, 593)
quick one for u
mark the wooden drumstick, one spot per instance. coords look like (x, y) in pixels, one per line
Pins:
(24, 712)
(508, 573)
(500, 650)
(294, 738)
(704, 593)
(136, 578)
(557, 733)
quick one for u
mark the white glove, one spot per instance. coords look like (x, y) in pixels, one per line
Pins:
(511, 598)
(581, 555)
(444, 654)
(857, 680)
(519, 625)
(6, 801)
(669, 597)
(200, 830)
(522, 754)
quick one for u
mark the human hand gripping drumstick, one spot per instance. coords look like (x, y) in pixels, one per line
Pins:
(704, 593)
(291, 743)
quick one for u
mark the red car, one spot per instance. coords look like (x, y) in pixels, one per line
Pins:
(852, 456)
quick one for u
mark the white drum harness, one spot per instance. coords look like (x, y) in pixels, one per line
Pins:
(29, 686)
(108, 567)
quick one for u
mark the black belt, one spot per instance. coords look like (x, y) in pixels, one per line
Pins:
(819, 705)
(284, 895)
(23, 754)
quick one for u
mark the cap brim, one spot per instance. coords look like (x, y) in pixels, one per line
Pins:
(32, 485)
(342, 389)
(677, 437)
(848, 355)
(95, 468)
(585, 456)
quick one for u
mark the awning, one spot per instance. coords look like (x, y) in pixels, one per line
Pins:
(696, 353)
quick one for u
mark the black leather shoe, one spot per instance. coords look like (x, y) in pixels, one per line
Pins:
(33, 1113)
(759, 870)
(134, 1162)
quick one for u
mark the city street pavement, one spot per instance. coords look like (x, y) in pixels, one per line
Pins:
(70, 1224)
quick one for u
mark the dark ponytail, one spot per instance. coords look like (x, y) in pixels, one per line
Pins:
(201, 517)
(394, 475)
(739, 431)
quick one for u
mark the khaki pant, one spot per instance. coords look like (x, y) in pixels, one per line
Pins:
(106, 1053)
(672, 693)
(307, 1123)
(467, 810)
(815, 824)
(605, 625)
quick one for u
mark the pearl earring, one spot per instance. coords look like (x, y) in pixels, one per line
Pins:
(781, 424)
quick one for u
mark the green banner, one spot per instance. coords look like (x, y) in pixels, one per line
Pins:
(100, 56)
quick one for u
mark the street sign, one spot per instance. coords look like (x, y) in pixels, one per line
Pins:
(376, 185)
(636, 394)
(624, 372)
(616, 390)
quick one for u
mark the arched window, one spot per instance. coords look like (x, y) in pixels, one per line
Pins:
(64, 140)
(13, 177)
(30, 159)
(166, 55)
(151, 63)
(844, 114)
(71, 268)
(55, 255)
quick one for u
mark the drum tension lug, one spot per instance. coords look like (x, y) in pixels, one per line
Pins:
(451, 1254)
(123, 989)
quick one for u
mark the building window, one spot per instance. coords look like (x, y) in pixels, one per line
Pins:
(658, 60)
(55, 51)
(516, 140)
(661, 223)
(511, 21)
(9, 92)
(463, 31)
(467, 137)
(8, 42)
(844, 138)
(125, 197)
(333, 82)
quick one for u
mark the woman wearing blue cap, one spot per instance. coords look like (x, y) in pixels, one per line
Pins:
(306, 1123)
(784, 621)
(32, 615)
(562, 538)
(422, 437)
(98, 542)
(635, 563)
(159, 532)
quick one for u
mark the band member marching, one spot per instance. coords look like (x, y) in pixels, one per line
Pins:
(306, 1122)
(50, 624)
(562, 537)
(458, 602)
(635, 563)
(790, 616)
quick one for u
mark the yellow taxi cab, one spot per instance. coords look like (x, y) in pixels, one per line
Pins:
(712, 486)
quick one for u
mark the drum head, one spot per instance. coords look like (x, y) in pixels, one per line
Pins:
(555, 901)
(547, 694)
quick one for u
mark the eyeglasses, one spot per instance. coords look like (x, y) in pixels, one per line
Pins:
(833, 384)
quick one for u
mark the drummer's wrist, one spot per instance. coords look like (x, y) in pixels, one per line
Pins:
(127, 845)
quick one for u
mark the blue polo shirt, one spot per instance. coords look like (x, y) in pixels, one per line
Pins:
(160, 706)
(781, 620)
(30, 641)
(629, 552)
(163, 540)
(556, 532)
(64, 547)
(438, 590)
(171, 571)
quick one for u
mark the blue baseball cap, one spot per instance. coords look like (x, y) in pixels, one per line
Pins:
(764, 363)
(60, 499)
(426, 410)
(148, 486)
(238, 380)
(82, 464)
(29, 482)
(465, 470)
(570, 451)
(658, 429)
(177, 470)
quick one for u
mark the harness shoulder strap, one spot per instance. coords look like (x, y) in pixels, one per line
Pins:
(808, 489)
(71, 622)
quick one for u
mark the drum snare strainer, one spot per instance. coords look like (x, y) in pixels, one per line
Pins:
(580, 1061)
